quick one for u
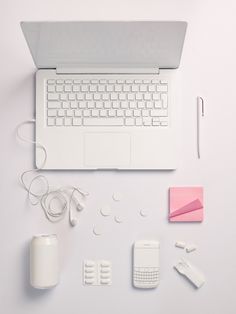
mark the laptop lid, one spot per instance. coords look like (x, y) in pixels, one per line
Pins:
(157, 43)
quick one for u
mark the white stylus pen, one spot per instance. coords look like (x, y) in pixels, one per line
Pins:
(200, 113)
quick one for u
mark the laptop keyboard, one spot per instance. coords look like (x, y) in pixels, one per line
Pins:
(107, 102)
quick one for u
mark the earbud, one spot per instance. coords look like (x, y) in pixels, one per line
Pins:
(80, 206)
(73, 222)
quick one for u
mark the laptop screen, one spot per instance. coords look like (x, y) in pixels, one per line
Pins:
(72, 43)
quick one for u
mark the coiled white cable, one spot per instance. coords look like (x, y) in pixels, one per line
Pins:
(64, 197)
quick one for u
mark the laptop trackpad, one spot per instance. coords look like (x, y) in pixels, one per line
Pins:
(107, 149)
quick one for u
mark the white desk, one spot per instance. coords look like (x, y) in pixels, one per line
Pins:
(208, 68)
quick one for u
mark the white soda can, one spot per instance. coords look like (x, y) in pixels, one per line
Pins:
(44, 261)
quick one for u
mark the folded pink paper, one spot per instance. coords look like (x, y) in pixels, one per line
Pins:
(186, 204)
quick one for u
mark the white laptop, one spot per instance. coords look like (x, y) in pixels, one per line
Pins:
(106, 93)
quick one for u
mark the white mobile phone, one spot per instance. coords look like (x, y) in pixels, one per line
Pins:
(146, 264)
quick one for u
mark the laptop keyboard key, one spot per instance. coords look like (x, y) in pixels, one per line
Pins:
(161, 88)
(63, 97)
(95, 113)
(52, 113)
(61, 113)
(67, 121)
(59, 121)
(59, 88)
(69, 113)
(103, 113)
(77, 121)
(51, 81)
(67, 88)
(139, 121)
(162, 113)
(51, 121)
(103, 121)
(147, 121)
(53, 96)
(65, 105)
(164, 100)
(54, 105)
(129, 121)
(51, 88)
(78, 113)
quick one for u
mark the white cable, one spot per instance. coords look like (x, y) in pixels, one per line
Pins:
(64, 196)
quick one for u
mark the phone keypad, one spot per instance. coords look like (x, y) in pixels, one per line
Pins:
(146, 275)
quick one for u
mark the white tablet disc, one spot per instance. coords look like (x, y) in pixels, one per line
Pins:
(97, 230)
(118, 219)
(105, 211)
(144, 212)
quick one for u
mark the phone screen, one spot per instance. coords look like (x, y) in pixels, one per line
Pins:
(146, 257)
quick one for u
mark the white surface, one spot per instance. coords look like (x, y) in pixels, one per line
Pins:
(208, 69)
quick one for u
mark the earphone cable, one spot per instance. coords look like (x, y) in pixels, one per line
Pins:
(63, 197)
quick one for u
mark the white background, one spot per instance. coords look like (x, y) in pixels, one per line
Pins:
(208, 69)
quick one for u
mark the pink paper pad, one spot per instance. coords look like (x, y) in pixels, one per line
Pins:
(186, 204)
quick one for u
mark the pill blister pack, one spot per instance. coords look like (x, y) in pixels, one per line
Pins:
(97, 273)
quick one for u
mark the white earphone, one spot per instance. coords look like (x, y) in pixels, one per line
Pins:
(79, 207)
(65, 197)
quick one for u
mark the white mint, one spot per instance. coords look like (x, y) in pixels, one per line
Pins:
(105, 211)
(180, 244)
(97, 230)
(144, 212)
(190, 248)
(118, 219)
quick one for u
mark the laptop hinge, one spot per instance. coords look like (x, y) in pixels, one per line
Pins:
(107, 69)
